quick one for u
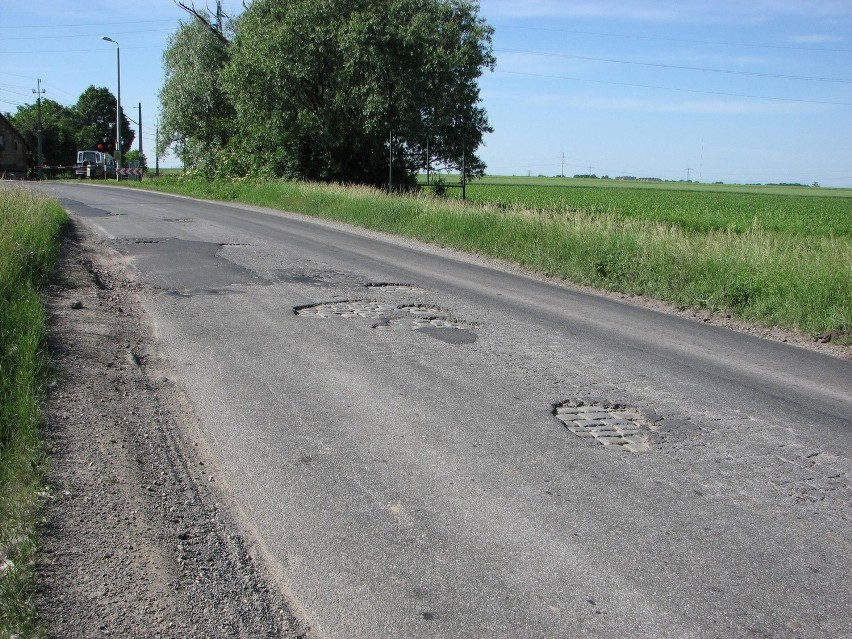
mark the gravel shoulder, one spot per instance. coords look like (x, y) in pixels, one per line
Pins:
(140, 537)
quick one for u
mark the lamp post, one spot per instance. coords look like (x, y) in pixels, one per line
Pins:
(117, 103)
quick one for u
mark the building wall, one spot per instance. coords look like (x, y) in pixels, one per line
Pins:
(13, 151)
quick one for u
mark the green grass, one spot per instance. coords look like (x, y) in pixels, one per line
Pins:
(773, 259)
(30, 227)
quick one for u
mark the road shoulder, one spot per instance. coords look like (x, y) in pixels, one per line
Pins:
(140, 539)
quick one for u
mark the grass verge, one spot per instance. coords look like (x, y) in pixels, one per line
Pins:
(774, 277)
(30, 227)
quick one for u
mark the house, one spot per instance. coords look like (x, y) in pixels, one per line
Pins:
(13, 152)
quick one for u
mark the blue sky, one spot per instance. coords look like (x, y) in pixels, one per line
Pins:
(757, 91)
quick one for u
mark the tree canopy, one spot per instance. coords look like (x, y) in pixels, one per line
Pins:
(95, 117)
(335, 90)
(59, 144)
(197, 116)
(65, 130)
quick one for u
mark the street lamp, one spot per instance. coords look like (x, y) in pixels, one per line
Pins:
(117, 103)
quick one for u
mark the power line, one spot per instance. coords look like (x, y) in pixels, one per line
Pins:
(650, 86)
(84, 35)
(87, 24)
(7, 90)
(72, 51)
(675, 66)
(713, 42)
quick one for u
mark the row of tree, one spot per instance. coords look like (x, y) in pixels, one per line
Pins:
(88, 124)
(358, 91)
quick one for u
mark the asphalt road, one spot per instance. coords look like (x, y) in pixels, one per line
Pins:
(404, 466)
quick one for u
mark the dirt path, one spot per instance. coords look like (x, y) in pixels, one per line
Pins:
(139, 540)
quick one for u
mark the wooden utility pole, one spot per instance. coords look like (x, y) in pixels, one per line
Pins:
(40, 156)
(141, 160)
(157, 150)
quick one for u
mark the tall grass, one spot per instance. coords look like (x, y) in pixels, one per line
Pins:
(775, 273)
(30, 225)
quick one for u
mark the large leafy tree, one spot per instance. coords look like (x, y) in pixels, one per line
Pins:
(95, 118)
(333, 89)
(197, 116)
(59, 133)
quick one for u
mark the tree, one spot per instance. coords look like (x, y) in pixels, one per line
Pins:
(332, 89)
(58, 131)
(134, 156)
(95, 118)
(197, 116)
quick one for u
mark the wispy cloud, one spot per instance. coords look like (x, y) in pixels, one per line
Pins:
(815, 39)
(701, 107)
(685, 11)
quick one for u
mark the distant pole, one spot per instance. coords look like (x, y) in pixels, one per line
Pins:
(563, 166)
(428, 163)
(464, 174)
(390, 162)
(39, 154)
(140, 140)
(687, 174)
(157, 150)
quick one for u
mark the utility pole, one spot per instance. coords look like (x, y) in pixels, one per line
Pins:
(464, 173)
(390, 162)
(157, 150)
(562, 172)
(687, 173)
(140, 141)
(39, 154)
(428, 163)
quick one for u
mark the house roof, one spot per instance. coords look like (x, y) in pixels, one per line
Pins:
(5, 121)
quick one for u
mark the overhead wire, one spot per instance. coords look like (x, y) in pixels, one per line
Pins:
(664, 88)
(680, 67)
(684, 40)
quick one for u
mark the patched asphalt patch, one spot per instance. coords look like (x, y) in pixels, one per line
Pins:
(612, 425)
(83, 210)
(173, 264)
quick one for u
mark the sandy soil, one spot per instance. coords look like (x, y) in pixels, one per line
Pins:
(139, 540)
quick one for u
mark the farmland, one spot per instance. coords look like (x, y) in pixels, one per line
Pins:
(693, 207)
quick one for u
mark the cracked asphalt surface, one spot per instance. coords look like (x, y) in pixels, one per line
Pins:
(406, 484)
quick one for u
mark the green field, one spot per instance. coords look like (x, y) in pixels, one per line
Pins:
(772, 255)
(691, 206)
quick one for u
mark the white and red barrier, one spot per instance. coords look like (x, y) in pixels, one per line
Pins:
(128, 172)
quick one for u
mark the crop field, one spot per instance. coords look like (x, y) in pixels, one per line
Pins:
(692, 207)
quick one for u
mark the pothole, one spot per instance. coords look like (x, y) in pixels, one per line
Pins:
(611, 425)
(346, 309)
(434, 320)
(392, 286)
(309, 277)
